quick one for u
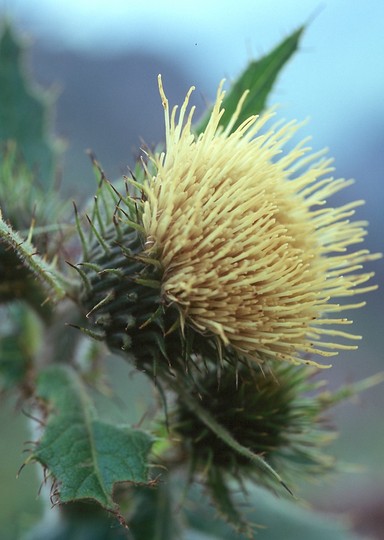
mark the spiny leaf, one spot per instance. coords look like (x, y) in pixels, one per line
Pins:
(258, 78)
(86, 456)
(24, 111)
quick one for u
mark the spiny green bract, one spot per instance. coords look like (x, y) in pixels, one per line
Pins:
(120, 285)
(268, 412)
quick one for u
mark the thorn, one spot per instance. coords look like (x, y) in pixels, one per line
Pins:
(92, 266)
(31, 228)
(96, 165)
(123, 212)
(114, 271)
(102, 303)
(80, 232)
(90, 333)
(98, 215)
(20, 469)
(287, 488)
(116, 222)
(126, 183)
(127, 252)
(83, 276)
(100, 239)
(117, 192)
(29, 415)
(154, 316)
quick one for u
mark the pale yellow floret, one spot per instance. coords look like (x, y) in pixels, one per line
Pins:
(249, 251)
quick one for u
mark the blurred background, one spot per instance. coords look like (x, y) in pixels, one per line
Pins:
(102, 60)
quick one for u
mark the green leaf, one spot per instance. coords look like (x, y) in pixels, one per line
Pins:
(13, 364)
(86, 456)
(20, 338)
(24, 200)
(258, 78)
(276, 518)
(80, 521)
(24, 111)
(154, 517)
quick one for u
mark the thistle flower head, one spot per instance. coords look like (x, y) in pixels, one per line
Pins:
(249, 251)
(278, 415)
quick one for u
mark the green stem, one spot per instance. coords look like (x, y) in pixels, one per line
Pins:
(26, 251)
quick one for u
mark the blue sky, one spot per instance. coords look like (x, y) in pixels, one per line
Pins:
(336, 80)
(204, 29)
(337, 75)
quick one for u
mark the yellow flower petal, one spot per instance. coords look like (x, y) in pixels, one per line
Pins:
(249, 251)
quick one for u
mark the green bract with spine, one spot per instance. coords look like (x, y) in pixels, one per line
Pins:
(121, 295)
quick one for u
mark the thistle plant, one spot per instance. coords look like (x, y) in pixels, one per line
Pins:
(217, 269)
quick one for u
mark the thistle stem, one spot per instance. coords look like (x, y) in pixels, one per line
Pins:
(25, 250)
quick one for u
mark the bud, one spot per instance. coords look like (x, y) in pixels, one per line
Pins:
(277, 415)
